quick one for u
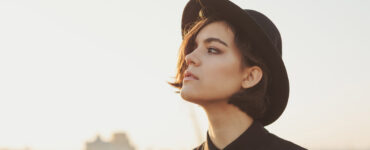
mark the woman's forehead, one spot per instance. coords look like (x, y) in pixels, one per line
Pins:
(217, 29)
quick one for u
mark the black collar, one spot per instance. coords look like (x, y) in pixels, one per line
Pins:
(251, 139)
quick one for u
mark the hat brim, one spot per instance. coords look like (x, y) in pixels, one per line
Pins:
(278, 87)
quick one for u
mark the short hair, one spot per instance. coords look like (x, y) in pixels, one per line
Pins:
(254, 100)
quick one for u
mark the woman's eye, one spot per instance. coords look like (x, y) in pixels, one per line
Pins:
(213, 50)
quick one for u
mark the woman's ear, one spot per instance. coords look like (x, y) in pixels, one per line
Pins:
(251, 76)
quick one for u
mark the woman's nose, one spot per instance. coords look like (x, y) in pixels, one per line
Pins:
(191, 58)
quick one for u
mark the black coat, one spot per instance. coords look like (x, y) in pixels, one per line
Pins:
(256, 137)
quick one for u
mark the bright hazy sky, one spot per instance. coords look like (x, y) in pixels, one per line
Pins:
(72, 69)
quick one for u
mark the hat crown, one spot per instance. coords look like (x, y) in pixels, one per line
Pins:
(268, 27)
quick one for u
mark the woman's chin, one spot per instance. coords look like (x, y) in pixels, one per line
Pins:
(185, 95)
(189, 96)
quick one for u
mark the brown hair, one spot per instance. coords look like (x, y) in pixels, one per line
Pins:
(252, 101)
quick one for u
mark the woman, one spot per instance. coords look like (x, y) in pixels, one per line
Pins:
(230, 64)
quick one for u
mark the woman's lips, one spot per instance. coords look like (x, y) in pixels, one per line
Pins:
(190, 76)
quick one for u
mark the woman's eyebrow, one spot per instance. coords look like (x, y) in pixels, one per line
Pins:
(209, 40)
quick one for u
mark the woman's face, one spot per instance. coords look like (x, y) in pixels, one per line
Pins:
(215, 62)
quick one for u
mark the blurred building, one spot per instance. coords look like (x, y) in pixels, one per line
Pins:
(119, 141)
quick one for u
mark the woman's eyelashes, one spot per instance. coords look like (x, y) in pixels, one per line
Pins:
(213, 50)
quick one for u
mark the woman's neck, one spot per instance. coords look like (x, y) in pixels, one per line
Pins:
(226, 122)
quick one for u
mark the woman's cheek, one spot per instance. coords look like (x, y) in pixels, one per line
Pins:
(217, 77)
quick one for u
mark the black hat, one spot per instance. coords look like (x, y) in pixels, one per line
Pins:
(266, 41)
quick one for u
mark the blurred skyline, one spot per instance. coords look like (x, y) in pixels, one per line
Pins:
(72, 69)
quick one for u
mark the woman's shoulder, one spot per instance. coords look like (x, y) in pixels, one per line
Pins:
(282, 144)
(257, 138)
(276, 143)
(200, 147)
